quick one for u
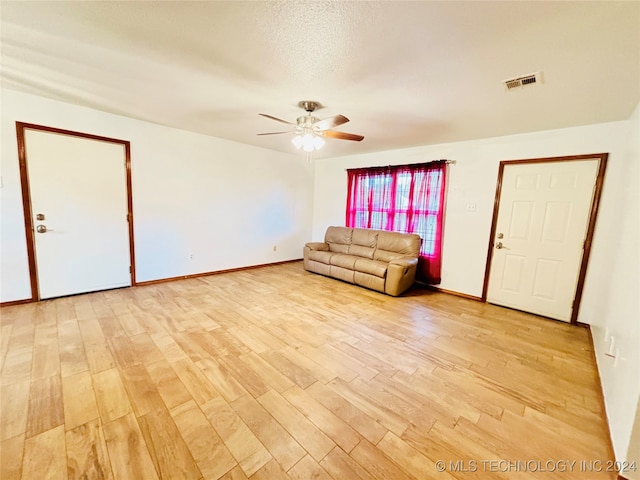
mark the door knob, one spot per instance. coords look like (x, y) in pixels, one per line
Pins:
(41, 229)
(498, 245)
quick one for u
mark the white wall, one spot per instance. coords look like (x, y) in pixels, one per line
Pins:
(615, 306)
(225, 202)
(611, 289)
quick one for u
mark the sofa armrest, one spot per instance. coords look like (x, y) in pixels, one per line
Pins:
(400, 275)
(317, 246)
(405, 262)
(312, 246)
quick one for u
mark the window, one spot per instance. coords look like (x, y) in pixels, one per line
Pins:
(406, 198)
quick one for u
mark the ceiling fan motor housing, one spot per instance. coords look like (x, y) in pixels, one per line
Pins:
(309, 106)
(305, 121)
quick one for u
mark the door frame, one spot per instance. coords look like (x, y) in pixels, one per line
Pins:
(595, 203)
(26, 196)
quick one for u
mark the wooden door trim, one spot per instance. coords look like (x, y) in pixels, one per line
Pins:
(26, 196)
(595, 204)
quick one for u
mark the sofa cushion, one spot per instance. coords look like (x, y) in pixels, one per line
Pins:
(360, 251)
(318, 267)
(339, 248)
(372, 267)
(369, 281)
(394, 245)
(321, 256)
(366, 238)
(386, 256)
(363, 242)
(344, 261)
(339, 239)
(342, 273)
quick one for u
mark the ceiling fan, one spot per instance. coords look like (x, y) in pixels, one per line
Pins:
(310, 130)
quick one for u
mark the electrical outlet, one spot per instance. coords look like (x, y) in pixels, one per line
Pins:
(191, 256)
(471, 207)
(275, 247)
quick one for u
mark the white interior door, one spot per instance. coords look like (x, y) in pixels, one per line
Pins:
(541, 228)
(79, 210)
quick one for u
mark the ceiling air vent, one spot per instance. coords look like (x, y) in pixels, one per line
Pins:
(522, 81)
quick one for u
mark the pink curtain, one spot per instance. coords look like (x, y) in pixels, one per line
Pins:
(404, 198)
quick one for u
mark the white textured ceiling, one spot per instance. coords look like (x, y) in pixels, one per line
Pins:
(405, 73)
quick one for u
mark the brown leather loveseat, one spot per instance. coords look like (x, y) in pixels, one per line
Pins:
(376, 259)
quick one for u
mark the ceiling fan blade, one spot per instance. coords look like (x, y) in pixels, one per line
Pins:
(330, 122)
(276, 119)
(273, 133)
(343, 135)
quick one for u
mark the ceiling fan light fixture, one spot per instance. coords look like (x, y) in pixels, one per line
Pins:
(308, 142)
(297, 141)
(318, 142)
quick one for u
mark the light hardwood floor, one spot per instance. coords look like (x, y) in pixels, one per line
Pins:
(276, 373)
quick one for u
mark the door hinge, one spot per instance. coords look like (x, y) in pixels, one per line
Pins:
(129, 268)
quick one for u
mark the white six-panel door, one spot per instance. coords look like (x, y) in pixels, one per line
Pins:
(79, 208)
(540, 232)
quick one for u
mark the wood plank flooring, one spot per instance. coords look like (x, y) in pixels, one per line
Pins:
(277, 373)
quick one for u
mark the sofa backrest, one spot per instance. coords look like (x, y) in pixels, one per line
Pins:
(339, 239)
(363, 242)
(394, 245)
(375, 244)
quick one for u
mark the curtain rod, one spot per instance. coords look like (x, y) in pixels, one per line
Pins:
(448, 162)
